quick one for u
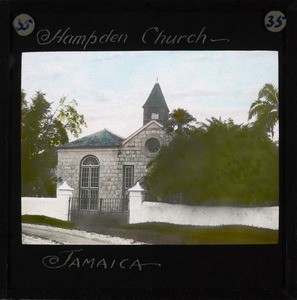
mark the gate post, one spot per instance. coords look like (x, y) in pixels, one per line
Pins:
(64, 194)
(135, 203)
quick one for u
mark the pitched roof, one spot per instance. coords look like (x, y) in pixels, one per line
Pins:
(100, 139)
(156, 98)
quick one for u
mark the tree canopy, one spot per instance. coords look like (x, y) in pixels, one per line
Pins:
(265, 109)
(179, 122)
(43, 129)
(217, 163)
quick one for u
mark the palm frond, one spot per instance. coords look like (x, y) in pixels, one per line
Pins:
(265, 108)
(269, 93)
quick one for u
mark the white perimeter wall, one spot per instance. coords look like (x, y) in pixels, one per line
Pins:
(50, 207)
(141, 212)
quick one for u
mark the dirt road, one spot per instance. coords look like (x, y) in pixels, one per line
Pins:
(39, 234)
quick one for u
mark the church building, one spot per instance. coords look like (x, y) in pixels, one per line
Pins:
(101, 167)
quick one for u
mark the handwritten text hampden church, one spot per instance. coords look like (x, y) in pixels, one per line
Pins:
(152, 35)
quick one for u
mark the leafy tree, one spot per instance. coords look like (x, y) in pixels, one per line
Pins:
(265, 109)
(41, 132)
(179, 122)
(218, 163)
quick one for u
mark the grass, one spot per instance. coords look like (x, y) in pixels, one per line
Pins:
(200, 235)
(163, 233)
(43, 220)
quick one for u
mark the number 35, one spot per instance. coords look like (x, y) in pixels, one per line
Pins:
(276, 23)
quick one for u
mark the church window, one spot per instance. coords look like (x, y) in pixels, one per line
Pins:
(155, 116)
(128, 182)
(89, 183)
(128, 177)
(152, 145)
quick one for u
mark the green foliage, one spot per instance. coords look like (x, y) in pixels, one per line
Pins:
(218, 163)
(43, 220)
(41, 131)
(265, 109)
(179, 122)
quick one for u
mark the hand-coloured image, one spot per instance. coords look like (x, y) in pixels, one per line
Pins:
(150, 147)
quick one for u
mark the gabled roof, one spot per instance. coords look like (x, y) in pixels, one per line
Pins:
(100, 139)
(139, 130)
(156, 98)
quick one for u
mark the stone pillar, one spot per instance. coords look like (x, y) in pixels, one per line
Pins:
(64, 194)
(135, 203)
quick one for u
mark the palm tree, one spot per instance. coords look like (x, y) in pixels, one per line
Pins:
(179, 121)
(265, 109)
(217, 125)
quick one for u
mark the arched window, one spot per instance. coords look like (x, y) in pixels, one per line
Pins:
(89, 183)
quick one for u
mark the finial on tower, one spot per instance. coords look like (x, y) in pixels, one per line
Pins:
(157, 80)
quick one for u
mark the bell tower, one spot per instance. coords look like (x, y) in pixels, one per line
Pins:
(155, 107)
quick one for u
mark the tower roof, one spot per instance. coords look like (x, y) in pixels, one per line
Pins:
(156, 98)
(101, 139)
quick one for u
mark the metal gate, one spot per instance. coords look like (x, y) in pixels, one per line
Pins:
(99, 205)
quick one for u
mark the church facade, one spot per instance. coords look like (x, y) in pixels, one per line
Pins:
(101, 167)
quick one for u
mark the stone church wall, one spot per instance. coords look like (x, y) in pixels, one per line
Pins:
(112, 161)
(134, 151)
(109, 175)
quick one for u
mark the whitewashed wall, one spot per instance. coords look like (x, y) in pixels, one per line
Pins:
(141, 212)
(50, 207)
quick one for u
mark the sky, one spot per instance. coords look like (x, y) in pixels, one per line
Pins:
(111, 87)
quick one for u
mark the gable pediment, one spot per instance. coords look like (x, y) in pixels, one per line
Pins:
(152, 126)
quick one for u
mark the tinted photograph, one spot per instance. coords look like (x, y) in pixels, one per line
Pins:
(150, 148)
